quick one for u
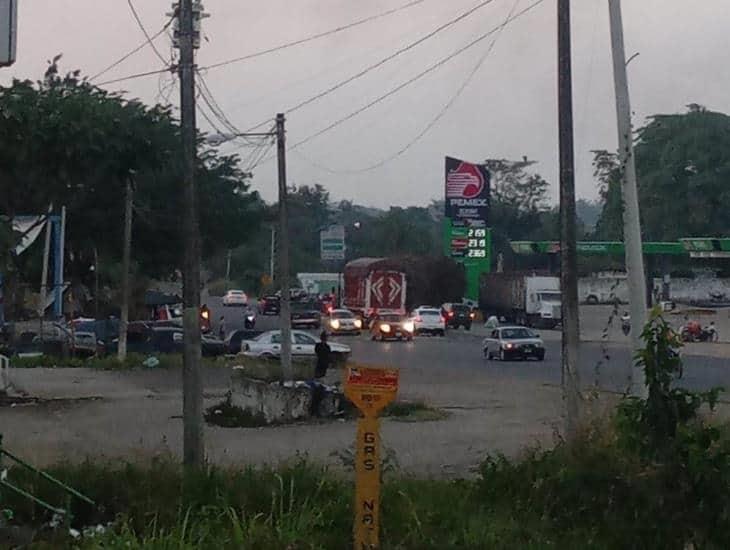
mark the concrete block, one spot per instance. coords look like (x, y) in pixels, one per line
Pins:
(277, 403)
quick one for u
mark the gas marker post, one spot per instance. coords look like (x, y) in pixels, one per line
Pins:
(370, 389)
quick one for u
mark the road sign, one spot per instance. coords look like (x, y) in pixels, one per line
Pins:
(332, 243)
(370, 389)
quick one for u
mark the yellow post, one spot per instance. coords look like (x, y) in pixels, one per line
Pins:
(370, 389)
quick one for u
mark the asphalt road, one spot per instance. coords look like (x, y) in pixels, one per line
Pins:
(459, 354)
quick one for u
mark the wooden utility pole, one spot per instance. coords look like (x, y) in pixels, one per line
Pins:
(632, 224)
(193, 448)
(568, 252)
(126, 260)
(283, 249)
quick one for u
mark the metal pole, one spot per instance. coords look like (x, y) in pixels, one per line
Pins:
(193, 449)
(44, 272)
(126, 260)
(285, 309)
(568, 252)
(228, 266)
(58, 266)
(632, 224)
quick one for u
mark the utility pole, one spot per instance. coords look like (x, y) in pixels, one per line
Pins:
(228, 266)
(285, 309)
(273, 252)
(193, 448)
(632, 223)
(96, 283)
(568, 252)
(126, 260)
(44, 271)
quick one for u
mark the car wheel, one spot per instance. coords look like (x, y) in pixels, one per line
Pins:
(541, 356)
(442, 333)
(467, 327)
(486, 353)
(592, 300)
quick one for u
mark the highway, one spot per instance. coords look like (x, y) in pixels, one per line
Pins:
(459, 354)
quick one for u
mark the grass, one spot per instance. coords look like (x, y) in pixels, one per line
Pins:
(225, 415)
(591, 494)
(413, 411)
(110, 362)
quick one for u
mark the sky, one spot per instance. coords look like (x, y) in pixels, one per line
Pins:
(508, 109)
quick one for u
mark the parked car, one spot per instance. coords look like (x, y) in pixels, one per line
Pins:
(513, 342)
(149, 338)
(305, 314)
(233, 340)
(457, 315)
(428, 320)
(268, 345)
(343, 321)
(391, 327)
(269, 305)
(235, 298)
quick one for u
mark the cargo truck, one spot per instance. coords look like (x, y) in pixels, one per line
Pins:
(525, 299)
(373, 286)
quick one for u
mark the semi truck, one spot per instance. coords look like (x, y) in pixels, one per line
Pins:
(375, 285)
(525, 299)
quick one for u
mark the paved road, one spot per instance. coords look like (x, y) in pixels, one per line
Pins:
(459, 354)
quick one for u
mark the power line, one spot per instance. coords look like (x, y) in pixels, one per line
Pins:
(415, 78)
(136, 75)
(315, 36)
(126, 56)
(386, 59)
(144, 31)
(438, 115)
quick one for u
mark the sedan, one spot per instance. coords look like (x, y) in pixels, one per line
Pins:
(428, 320)
(268, 345)
(391, 327)
(305, 315)
(343, 321)
(508, 343)
(235, 298)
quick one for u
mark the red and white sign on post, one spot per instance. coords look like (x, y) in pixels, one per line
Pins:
(370, 389)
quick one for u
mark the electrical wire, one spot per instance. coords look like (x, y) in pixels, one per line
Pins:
(386, 59)
(439, 114)
(127, 55)
(315, 36)
(135, 76)
(144, 31)
(415, 78)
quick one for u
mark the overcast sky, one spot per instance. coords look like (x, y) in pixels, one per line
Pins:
(507, 110)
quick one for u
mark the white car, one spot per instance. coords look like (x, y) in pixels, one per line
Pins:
(507, 343)
(343, 321)
(428, 320)
(268, 344)
(235, 298)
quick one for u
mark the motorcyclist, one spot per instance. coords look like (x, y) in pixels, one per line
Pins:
(249, 318)
(626, 322)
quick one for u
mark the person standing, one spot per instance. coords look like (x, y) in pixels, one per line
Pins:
(222, 328)
(323, 352)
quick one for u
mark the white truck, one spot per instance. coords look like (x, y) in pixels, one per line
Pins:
(525, 299)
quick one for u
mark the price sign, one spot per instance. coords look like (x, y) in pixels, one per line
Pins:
(370, 389)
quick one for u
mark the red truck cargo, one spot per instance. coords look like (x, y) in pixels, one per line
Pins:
(375, 285)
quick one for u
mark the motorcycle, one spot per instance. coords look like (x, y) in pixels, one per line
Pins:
(626, 324)
(694, 332)
(249, 320)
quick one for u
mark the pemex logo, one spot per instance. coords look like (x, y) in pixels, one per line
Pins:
(465, 182)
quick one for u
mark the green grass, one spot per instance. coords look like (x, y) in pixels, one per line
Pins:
(225, 415)
(413, 411)
(110, 362)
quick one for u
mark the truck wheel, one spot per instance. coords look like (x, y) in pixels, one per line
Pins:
(592, 300)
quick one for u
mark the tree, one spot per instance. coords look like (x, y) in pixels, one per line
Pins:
(683, 166)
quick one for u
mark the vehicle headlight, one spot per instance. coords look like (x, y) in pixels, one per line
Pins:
(205, 315)
(335, 324)
(408, 326)
(508, 345)
(385, 327)
(358, 323)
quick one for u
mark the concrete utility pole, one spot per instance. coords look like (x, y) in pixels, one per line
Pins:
(632, 224)
(126, 260)
(285, 309)
(193, 448)
(272, 253)
(568, 252)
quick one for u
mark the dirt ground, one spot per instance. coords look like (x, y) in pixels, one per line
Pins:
(135, 415)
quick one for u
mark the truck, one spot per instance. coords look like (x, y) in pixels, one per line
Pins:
(525, 299)
(375, 285)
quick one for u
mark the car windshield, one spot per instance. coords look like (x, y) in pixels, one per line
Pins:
(390, 318)
(304, 306)
(517, 333)
(342, 315)
(235, 292)
(429, 312)
(550, 296)
(460, 308)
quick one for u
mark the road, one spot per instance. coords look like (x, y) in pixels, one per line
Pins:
(459, 354)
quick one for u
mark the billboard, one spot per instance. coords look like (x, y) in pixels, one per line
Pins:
(466, 192)
(8, 31)
(332, 243)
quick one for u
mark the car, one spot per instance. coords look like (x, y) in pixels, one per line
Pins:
(457, 315)
(428, 320)
(269, 305)
(233, 339)
(513, 342)
(268, 345)
(391, 327)
(235, 298)
(343, 321)
(305, 314)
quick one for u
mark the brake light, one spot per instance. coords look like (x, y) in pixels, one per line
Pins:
(451, 313)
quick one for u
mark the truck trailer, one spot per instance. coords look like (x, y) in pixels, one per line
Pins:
(375, 285)
(525, 299)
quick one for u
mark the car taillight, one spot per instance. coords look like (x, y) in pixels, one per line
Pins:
(451, 313)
